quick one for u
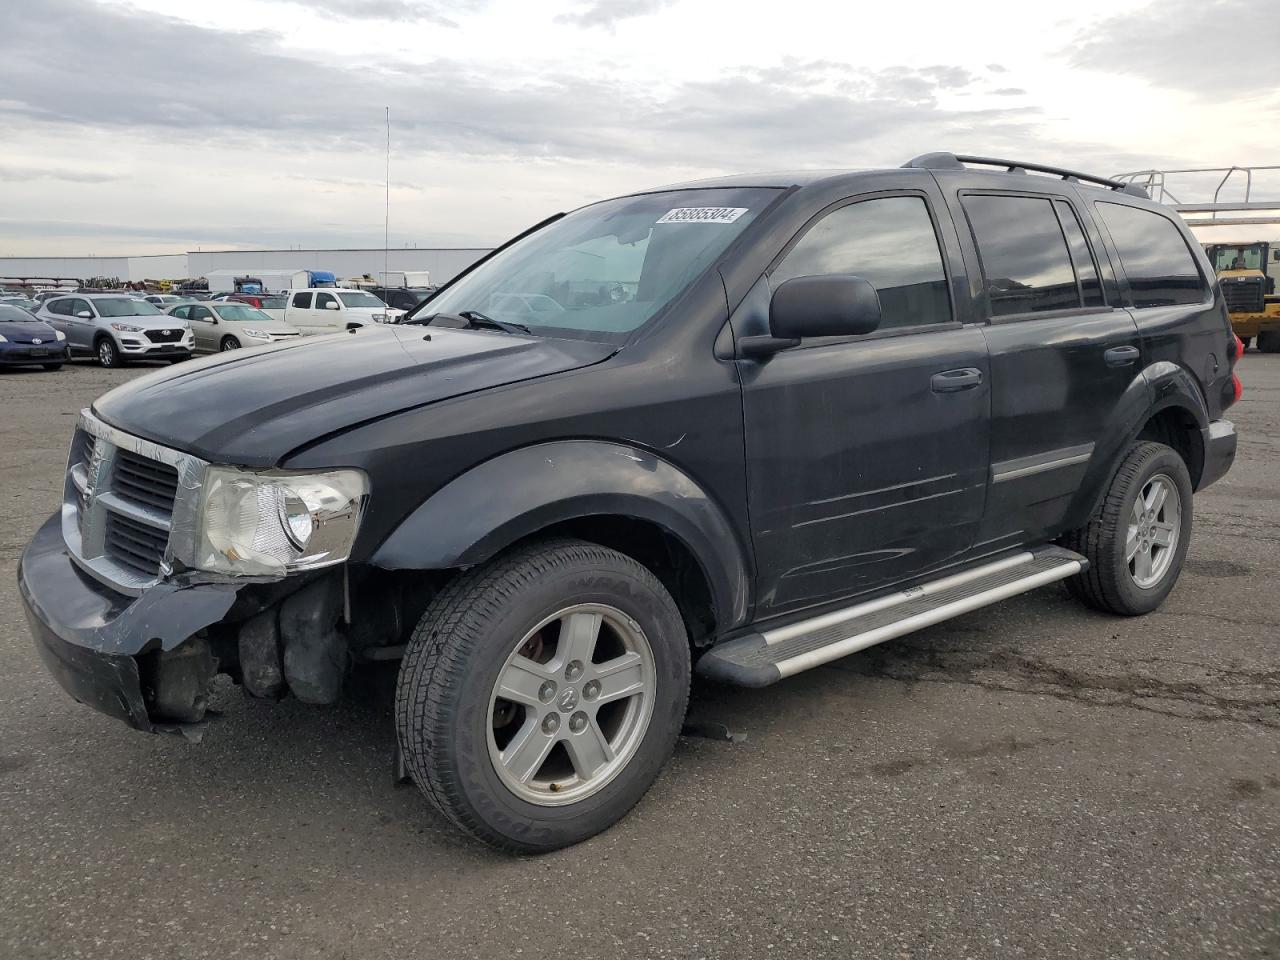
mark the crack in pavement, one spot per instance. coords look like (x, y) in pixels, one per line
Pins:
(1237, 696)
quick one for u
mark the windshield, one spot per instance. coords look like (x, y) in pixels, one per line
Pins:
(1237, 257)
(360, 299)
(125, 307)
(12, 314)
(240, 311)
(603, 271)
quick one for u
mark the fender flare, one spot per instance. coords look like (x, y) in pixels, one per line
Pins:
(1162, 385)
(514, 495)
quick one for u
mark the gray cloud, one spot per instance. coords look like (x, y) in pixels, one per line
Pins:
(607, 13)
(403, 11)
(1009, 92)
(1192, 45)
(799, 113)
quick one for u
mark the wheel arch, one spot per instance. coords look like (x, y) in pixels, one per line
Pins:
(1163, 403)
(618, 495)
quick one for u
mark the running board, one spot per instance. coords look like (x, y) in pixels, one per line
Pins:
(760, 659)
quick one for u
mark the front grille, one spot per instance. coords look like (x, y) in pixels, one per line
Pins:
(165, 336)
(126, 505)
(136, 545)
(1245, 295)
(144, 481)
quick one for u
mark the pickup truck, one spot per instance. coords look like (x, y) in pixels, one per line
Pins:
(770, 421)
(333, 309)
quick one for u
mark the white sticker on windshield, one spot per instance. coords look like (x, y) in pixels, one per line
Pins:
(702, 215)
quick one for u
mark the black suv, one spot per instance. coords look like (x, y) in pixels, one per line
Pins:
(741, 426)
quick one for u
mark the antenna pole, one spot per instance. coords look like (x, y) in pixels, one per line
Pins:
(386, 235)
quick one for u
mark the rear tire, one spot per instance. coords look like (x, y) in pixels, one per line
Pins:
(1269, 341)
(1244, 343)
(559, 762)
(108, 353)
(1135, 552)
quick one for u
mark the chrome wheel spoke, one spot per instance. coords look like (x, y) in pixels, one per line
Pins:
(1157, 493)
(578, 635)
(589, 750)
(620, 677)
(527, 751)
(522, 681)
(1142, 565)
(1162, 534)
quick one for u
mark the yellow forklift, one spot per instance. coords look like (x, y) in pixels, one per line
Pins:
(1247, 272)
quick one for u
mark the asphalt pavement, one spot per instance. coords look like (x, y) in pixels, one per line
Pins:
(1030, 780)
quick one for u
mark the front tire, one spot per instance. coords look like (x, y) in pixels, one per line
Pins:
(108, 353)
(1137, 540)
(1269, 341)
(542, 693)
(228, 343)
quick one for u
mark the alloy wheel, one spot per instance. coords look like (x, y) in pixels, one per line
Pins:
(1154, 526)
(571, 704)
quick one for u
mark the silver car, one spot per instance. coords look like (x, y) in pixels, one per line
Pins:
(117, 328)
(229, 325)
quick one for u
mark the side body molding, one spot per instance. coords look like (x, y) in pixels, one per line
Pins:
(1161, 386)
(491, 506)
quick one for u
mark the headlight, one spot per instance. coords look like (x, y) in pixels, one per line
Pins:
(260, 334)
(273, 524)
(126, 328)
(59, 335)
(4, 340)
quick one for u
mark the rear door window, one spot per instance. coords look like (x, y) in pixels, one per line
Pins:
(889, 241)
(1155, 257)
(1081, 255)
(1025, 261)
(302, 301)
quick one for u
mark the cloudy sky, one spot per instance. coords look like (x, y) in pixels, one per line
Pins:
(165, 125)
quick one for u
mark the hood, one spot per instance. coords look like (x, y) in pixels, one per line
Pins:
(252, 407)
(24, 331)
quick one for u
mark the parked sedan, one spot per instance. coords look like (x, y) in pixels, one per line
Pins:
(228, 325)
(24, 340)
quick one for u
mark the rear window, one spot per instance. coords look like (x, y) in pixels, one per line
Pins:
(360, 299)
(1155, 257)
(1025, 259)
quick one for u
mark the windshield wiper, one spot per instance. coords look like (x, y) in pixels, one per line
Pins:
(475, 320)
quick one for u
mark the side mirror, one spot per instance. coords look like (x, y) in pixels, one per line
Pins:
(331, 305)
(838, 305)
(84, 315)
(832, 306)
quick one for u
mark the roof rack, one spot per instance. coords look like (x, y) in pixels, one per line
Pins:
(952, 161)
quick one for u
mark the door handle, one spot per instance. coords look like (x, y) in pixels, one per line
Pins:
(952, 381)
(1121, 356)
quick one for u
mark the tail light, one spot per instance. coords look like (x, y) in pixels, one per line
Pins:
(1238, 352)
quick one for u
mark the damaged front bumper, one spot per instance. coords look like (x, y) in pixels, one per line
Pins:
(108, 650)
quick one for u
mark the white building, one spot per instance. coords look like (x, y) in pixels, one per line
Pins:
(442, 263)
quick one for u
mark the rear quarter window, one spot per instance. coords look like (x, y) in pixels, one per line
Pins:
(1155, 256)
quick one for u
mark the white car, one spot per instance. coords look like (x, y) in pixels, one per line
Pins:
(221, 325)
(333, 309)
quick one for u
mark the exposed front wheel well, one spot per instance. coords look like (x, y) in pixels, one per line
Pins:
(1177, 428)
(665, 555)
